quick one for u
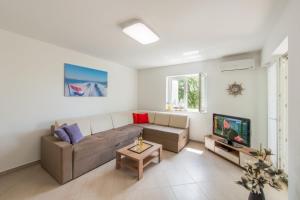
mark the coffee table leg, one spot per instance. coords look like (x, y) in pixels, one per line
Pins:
(140, 169)
(159, 154)
(118, 160)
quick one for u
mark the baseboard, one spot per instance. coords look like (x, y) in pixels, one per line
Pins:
(20, 167)
(197, 141)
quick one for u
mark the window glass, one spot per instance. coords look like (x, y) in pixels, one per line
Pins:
(186, 92)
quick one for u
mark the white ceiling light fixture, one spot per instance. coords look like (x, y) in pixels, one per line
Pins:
(141, 33)
(191, 53)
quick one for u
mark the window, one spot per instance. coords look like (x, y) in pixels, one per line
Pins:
(187, 92)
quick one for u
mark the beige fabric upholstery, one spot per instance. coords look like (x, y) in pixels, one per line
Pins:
(166, 129)
(56, 158)
(121, 119)
(151, 116)
(179, 121)
(90, 153)
(162, 119)
(100, 123)
(83, 123)
(66, 162)
(144, 125)
(110, 132)
(172, 139)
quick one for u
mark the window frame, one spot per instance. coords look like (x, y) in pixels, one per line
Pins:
(202, 107)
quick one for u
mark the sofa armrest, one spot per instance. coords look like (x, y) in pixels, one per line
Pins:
(56, 158)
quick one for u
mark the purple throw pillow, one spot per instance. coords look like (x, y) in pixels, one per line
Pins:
(74, 133)
(61, 133)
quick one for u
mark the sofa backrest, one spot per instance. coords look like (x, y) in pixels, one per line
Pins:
(168, 119)
(83, 123)
(162, 119)
(151, 115)
(104, 122)
(121, 119)
(179, 121)
(101, 123)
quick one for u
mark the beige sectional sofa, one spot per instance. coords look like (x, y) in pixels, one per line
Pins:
(104, 134)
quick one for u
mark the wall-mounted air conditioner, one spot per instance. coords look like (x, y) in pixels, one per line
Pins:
(237, 65)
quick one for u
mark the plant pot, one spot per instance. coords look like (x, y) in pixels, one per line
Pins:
(254, 196)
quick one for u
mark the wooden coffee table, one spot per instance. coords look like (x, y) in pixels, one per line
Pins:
(138, 161)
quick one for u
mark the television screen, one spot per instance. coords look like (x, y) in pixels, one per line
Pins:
(232, 128)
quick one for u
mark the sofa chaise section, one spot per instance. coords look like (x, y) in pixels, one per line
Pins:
(170, 130)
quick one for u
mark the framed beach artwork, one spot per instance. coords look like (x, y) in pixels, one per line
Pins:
(84, 82)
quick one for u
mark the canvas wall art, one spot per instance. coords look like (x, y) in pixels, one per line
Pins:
(83, 81)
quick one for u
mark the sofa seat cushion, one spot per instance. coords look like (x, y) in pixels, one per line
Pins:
(172, 139)
(113, 137)
(108, 136)
(164, 129)
(88, 146)
(90, 153)
(144, 125)
(132, 131)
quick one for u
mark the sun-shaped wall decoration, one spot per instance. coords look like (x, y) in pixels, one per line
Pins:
(235, 89)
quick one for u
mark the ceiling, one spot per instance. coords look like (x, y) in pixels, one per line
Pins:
(214, 27)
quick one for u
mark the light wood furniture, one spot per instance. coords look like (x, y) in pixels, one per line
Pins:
(136, 161)
(238, 155)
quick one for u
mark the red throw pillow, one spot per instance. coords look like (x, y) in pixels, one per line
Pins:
(140, 118)
(143, 118)
(135, 118)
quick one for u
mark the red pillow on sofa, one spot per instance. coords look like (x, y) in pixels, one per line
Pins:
(140, 118)
(135, 118)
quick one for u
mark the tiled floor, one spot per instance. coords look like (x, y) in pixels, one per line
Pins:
(194, 173)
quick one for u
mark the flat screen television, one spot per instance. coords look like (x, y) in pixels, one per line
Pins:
(234, 129)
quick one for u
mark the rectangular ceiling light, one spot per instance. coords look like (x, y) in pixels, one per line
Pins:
(141, 33)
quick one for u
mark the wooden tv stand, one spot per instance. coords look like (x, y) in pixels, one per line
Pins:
(238, 155)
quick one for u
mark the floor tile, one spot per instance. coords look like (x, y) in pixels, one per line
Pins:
(194, 173)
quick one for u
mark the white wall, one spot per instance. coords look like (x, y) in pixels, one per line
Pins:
(294, 100)
(277, 35)
(32, 94)
(252, 104)
(289, 26)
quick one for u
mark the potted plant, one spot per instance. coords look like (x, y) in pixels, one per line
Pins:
(260, 173)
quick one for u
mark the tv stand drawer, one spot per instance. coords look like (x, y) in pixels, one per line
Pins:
(209, 143)
(228, 155)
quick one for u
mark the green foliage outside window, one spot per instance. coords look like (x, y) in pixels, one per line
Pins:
(192, 91)
(181, 85)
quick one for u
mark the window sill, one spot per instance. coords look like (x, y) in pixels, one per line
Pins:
(187, 111)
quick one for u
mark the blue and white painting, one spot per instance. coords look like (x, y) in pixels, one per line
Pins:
(83, 81)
